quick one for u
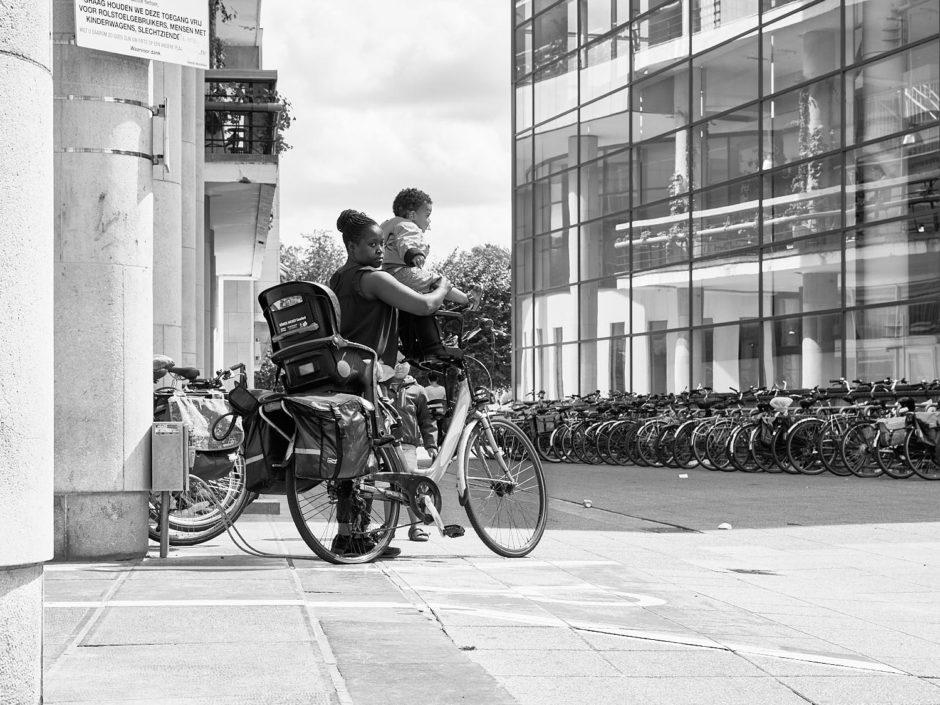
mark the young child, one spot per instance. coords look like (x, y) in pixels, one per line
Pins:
(406, 250)
(417, 427)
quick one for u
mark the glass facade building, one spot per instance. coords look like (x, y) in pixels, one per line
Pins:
(725, 192)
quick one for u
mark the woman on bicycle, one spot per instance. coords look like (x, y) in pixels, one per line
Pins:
(369, 300)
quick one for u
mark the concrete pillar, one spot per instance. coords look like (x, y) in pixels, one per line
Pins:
(26, 331)
(199, 300)
(188, 214)
(103, 298)
(167, 218)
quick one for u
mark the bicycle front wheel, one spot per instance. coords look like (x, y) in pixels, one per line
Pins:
(506, 499)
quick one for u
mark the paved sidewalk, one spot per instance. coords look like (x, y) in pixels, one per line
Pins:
(609, 609)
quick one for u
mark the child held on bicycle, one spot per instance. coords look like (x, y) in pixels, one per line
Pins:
(406, 250)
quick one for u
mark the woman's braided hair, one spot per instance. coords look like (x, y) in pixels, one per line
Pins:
(352, 224)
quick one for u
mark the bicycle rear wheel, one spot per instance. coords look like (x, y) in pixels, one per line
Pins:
(506, 500)
(803, 446)
(920, 457)
(345, 521)
(204, 511)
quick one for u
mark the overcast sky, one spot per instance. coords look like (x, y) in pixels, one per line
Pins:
(389, 94)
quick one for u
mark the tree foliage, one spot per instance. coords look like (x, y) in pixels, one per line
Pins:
(489, 266)
(321, 254)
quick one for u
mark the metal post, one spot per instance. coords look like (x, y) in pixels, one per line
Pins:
(164, 527)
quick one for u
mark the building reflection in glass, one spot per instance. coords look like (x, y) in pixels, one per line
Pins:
(728, 193)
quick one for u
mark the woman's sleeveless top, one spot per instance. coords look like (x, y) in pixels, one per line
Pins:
(365, 321)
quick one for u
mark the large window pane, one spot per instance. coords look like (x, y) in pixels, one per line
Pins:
(605, 307)
(522, 46)
(801, 47)
(524, 372)
(803, 351)
(896, 341)
(660, 234)
(556, 258)
(605, 65)
(877, 26)
(605, 246)
(895, 178)
(887, 263)
(725, 77)
(522, 213)
(661, 103)
(893, 94)
(524, 171)
(660, 299)
(803, 199)
(522, 321)
(605, 365)
(660, 362)
(556, 88)
(554, 206)
(725, 290)
(522, 263)
(608, 121)
(601, 16)
(727, 357)
(803, 122)
(523, 10)
(556, 369)
(556, 145)
(658, 39)
(556, 316)
(726, 147)
(605, 185)
(803, 276)
(655, 167)
(725, 218)
(523, 104)
(555, 33)
(716, 22)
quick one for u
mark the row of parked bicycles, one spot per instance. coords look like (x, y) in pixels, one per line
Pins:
(864, 429)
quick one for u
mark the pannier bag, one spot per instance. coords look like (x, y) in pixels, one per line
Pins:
(332, 436)
(266, 424)
(213, 459)
(893, 430)
(927, 428)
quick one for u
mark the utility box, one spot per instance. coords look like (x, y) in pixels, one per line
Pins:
(170, 456)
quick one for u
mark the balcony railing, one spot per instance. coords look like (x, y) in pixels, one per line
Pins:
(242, 112)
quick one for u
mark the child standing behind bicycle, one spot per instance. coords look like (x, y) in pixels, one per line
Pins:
(406, 250)
(417, 427)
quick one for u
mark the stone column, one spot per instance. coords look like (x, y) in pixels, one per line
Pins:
(188, 217)
(103, 298)
(26, 331)
(167, 218)
(199, 301)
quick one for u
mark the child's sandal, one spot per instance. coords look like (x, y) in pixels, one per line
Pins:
(416, 533)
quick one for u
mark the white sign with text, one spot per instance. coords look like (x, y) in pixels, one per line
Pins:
(174, 31)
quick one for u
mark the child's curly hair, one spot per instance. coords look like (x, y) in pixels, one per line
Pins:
(409, 199)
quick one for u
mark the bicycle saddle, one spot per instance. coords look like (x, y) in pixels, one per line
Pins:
(188, 373)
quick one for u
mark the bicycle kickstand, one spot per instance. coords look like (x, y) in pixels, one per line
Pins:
(450, 530)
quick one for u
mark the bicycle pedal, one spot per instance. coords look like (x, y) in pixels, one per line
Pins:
(454, 531)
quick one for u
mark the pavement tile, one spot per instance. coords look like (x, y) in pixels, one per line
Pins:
(874, 690)
(60, 622)
(504, 662)
(616, 642)
(667, 664)
(198, 625)
(356, 642)
(422, 681)
(153, 672)
(517, 638)
(195, 587)
(796, 667)
(75, 590)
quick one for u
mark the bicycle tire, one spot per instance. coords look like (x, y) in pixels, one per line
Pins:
(762, 449)
(700, 441)
(601, 437)
(683, 453)
(646, 437)
(778, 448)
(543, 446)
(314, 508)
(716, 445)
(892, 462)
(803, 446)
(507, 507)
(859, 446)
(198, 516)
(740, 448)
(830, 445)
(617, 443)
(919, 457)
(561, 442)
(666, 445)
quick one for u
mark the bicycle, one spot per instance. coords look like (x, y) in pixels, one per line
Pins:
(202, 511)
(499, 477)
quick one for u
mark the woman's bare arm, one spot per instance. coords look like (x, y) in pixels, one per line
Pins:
(384, 287)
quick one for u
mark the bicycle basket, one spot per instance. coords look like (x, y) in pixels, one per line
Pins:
(200, 414)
